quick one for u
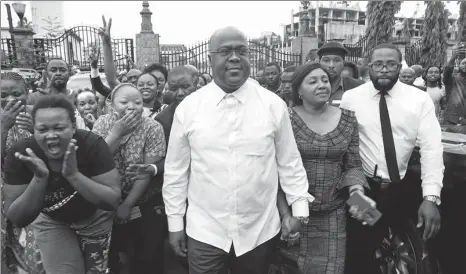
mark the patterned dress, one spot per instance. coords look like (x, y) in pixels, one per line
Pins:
(20, 241)
(147, 139)
(332, 163)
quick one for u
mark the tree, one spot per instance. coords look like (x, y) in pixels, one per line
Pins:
(434, 36)
(381, 22)
(53, 28)
(462, 22)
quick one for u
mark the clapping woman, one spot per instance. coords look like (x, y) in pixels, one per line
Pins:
(64, 182)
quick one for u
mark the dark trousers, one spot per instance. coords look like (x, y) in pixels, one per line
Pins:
(206, 259)
(143, 241)
(398, 201)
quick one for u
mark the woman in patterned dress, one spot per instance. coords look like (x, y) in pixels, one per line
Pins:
(328, 141)
(137, 143)
(16, 125)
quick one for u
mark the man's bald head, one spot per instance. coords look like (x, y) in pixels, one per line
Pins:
(407, 76)
(180, 70)
(229, 58)
(219, 35)
(417, 69)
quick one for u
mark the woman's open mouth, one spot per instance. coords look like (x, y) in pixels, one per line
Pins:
(54, 148)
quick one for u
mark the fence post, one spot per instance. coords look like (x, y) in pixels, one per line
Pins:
(147, 42)
(23, 47)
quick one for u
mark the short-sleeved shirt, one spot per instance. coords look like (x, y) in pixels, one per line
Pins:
(62, 201)
(147, 139)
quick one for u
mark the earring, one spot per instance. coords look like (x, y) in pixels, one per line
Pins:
(300, 96)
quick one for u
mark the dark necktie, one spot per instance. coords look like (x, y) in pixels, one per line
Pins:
(388, 143)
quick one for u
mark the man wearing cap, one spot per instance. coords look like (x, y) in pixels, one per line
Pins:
(332, 57)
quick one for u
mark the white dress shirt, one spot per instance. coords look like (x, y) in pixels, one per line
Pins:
(413, 121)
(226, 154)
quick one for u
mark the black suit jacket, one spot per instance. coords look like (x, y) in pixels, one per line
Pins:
(98, 86)
(165, 118)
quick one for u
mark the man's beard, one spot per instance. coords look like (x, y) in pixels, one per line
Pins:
(386, 87)
(59, 86)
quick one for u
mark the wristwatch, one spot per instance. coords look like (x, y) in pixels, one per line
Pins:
(432, 198)
(303, 220)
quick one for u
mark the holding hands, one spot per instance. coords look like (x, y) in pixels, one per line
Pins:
(290, 229)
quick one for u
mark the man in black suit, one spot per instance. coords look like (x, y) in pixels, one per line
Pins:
(332, 58)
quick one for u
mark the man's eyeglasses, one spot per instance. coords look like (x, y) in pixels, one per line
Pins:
(242, 51)
(378, 66)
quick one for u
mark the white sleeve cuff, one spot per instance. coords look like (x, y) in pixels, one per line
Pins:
(431, 190)
(175, 224)
(300, 208)
(94, 73)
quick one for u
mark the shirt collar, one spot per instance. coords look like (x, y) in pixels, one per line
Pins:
(240, 94)
(391, 92)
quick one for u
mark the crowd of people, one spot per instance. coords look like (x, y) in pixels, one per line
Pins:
(224, 165)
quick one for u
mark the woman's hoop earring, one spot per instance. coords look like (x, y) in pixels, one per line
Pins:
(300, 96)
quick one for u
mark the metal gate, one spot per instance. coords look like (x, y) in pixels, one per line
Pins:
(74, 46)
(197, 55)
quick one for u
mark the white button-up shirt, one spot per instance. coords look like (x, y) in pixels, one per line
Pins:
(413, 121)
(226, 154)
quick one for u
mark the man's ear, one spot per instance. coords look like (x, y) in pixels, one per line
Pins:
(210, 59)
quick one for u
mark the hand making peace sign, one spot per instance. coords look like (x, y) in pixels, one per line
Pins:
(104, 32)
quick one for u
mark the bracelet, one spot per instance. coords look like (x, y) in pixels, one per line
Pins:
(155, 169)
(303, 220)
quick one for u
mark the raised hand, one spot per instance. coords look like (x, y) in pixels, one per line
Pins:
(70, 164)
(34, 163)
(140, 171)
(127, 123)
(44, 83)
(10, 112)
(94, 57)
(104, 32)
(24, 121)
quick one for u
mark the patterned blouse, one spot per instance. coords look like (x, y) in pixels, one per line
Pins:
(147, 139)
(28, 251)
(331, 160)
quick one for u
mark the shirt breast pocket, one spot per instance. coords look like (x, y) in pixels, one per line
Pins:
(255, 145)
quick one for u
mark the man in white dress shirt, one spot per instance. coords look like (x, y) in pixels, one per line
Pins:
(393, 117)
(231, 143)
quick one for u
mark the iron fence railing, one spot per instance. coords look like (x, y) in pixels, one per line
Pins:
(260, 54)
(73, 46)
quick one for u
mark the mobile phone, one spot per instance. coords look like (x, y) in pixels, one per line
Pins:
(371, 215)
